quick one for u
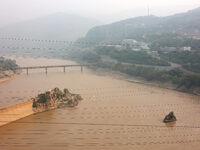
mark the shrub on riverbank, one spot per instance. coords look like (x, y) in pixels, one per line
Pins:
(181, 79)
(130, 56)
(175, 76)
(7, 64)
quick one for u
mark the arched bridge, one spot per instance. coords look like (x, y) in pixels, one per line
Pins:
(51, 66)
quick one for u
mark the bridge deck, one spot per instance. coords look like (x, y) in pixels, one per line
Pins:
(52, 66)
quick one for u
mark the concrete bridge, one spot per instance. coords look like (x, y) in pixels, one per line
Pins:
(52, 66)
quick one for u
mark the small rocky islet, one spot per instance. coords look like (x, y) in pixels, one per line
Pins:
(55, 98)
(170, 118)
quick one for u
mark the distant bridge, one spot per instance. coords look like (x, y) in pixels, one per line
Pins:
(52, 66)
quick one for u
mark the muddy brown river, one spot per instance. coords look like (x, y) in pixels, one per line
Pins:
(114, 115)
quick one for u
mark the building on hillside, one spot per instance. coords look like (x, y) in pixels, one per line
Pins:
(129, 43)
(134, 45)
(168, 49)
(144, 46)
(187, 48)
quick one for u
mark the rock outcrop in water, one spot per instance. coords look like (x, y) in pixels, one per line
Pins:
(55, 99)
(170, 117)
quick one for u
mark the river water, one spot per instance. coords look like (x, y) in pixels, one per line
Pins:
(114, 115)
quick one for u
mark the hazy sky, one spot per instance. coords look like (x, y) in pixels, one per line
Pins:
(105, 10)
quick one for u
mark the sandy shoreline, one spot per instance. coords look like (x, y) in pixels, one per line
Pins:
(15, 112)
(22, 109)
(4, 79)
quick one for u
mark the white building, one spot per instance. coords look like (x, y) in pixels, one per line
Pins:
(129, 42)
(187, 48)
(135, 45)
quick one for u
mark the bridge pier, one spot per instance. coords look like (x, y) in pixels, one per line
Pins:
(46, 70)
(81, 68)
(27, 71)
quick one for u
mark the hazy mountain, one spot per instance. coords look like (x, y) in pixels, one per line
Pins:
(145, 27)
(59, 26)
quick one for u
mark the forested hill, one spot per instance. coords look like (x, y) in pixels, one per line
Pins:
(147, 28)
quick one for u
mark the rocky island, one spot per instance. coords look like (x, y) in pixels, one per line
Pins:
(49, 100)
(170, 118)
(55, 98)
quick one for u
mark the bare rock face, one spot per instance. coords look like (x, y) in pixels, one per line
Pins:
(169, 118)
(55, 99)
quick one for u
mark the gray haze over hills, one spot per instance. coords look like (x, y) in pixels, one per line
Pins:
(67, 26)
(60, 26)
(107, 11)
(147, 27)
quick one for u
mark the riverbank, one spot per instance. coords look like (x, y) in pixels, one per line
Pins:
(15, 112)
(139, 80)
(182, 80)
(7, 75)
